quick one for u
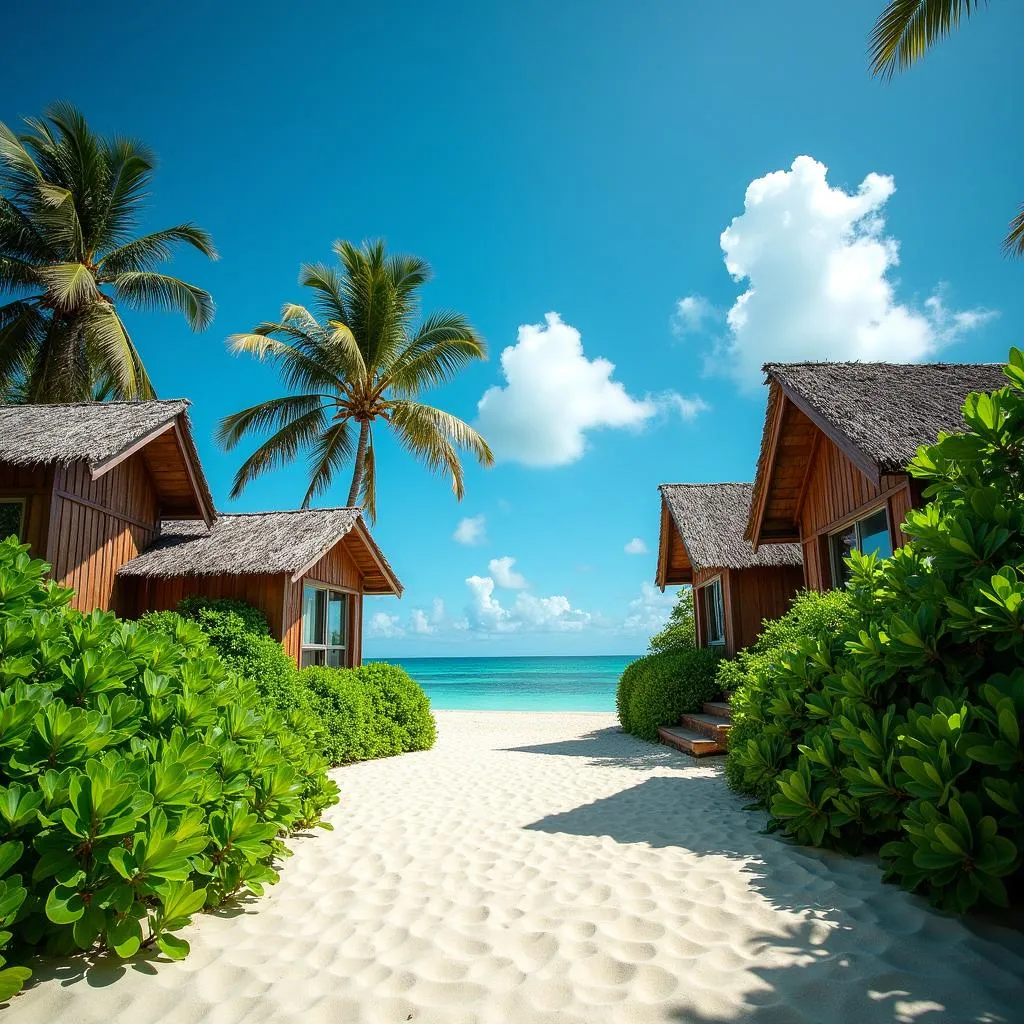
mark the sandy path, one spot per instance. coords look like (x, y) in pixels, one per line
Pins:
(547, 868)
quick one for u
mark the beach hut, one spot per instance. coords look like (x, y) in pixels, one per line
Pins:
(735, 588)
(837, 439)
(307, 570)
(113, 496)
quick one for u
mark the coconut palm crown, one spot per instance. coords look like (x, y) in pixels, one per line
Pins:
(903, 34)
(359, 357)
(69, 257)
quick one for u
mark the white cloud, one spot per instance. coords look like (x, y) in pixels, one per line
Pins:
(687, 408)
(553, 395)
(504, 575)
(816, 262)
(649, 612)
(636, 547)
(691, 314)
(471, 531)
(486, 614)
(382, 624)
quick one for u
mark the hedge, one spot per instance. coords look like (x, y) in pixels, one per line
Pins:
(658, 688)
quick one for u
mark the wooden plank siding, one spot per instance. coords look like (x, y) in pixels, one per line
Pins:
(95, 526)
(837, 493)
(336, 569)
(34, 486)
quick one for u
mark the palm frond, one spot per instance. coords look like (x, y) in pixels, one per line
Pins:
(150, 250)
(445, 344)
(113, 356)
(298, 368)
(148, 289)
(368, 487)
(22, 331)
(907, 29)
(69, 285)
(274, 414)
(328, 284)
(301, 432)
(1013, 243)
(330, 452)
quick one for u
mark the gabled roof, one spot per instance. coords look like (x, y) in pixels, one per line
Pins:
(877, 414)
(709, 520)
(264, 542)
(102, 434)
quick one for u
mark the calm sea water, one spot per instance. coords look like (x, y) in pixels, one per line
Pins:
(518, 684)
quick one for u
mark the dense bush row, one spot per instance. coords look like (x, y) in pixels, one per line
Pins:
(904, 731)
(373, 711)
(658, 688)
(140, 779)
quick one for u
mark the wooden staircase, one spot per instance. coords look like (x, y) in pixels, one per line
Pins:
(701, 734)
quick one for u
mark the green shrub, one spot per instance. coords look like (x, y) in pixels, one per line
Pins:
(910, 734)
(680, 632)
(376, 710)
(140, 780)
(658, 688)
(760, 678)
(254, 621)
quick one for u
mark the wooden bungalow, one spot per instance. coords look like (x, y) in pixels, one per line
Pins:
(113, 496)
(306, 570)
(734, 587)
(837, 439)
(87, 485)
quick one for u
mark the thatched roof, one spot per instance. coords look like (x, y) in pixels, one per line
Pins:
(97, 433)
(711, 520)
(885, 410)
(263, 542)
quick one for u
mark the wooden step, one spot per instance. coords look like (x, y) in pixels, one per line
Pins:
(712, 726)
(718, 708)
(689, 742)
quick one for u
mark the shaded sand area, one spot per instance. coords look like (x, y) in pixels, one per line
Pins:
(548, 868)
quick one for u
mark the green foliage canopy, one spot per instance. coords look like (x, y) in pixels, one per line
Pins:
(680, 632)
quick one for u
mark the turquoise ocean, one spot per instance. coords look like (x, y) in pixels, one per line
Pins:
(518, 684)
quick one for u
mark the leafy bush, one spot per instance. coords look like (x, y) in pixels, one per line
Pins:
(658, 688)
(910, 734)
(766, 692)
(680, 632)
(376, 710)
(139, 778)
(195, 605)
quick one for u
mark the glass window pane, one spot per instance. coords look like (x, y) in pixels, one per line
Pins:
(334, 656)
(336, 619)
(713, 613)
(842, 544)
(314, 601)
(874, 534)
(311, 656)
(10, 518)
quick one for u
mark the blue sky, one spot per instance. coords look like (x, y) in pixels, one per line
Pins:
(573, 159)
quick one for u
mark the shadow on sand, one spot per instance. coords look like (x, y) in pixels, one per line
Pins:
(614, 748)
(858, 952)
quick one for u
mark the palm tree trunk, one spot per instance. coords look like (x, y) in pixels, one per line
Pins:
(357, 472)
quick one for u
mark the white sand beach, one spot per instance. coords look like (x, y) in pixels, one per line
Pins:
(548, 868)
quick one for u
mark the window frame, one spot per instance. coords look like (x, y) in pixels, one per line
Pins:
(713, 587)
(22, 503)
(324, 649)
(837, 566)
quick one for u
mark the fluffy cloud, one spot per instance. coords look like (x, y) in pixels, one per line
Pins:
(422, 623)
(486, 614)
(636, 547)
(471, 531)
(816, 261)
(691, 314)
(382, 624)
(649, 612)
(504, 575)
(553, 395)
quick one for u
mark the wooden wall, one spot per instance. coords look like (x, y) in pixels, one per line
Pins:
(95, 526)
(337, 569)
(836, 493)
(264, 590)
(33, 484)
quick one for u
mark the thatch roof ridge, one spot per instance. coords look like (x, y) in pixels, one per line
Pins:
(711, 519)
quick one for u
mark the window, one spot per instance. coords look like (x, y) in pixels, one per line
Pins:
(12, 517)
(712, 613)
(324, 626)
(869, 535)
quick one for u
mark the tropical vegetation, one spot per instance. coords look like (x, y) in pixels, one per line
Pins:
(360, 357)
(680, 632)
(902, 730)
(141, 780)
(70, 259)
(903, 34)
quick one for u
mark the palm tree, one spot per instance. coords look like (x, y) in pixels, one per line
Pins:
(69, 204)
(364, 360)
(904, 32)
